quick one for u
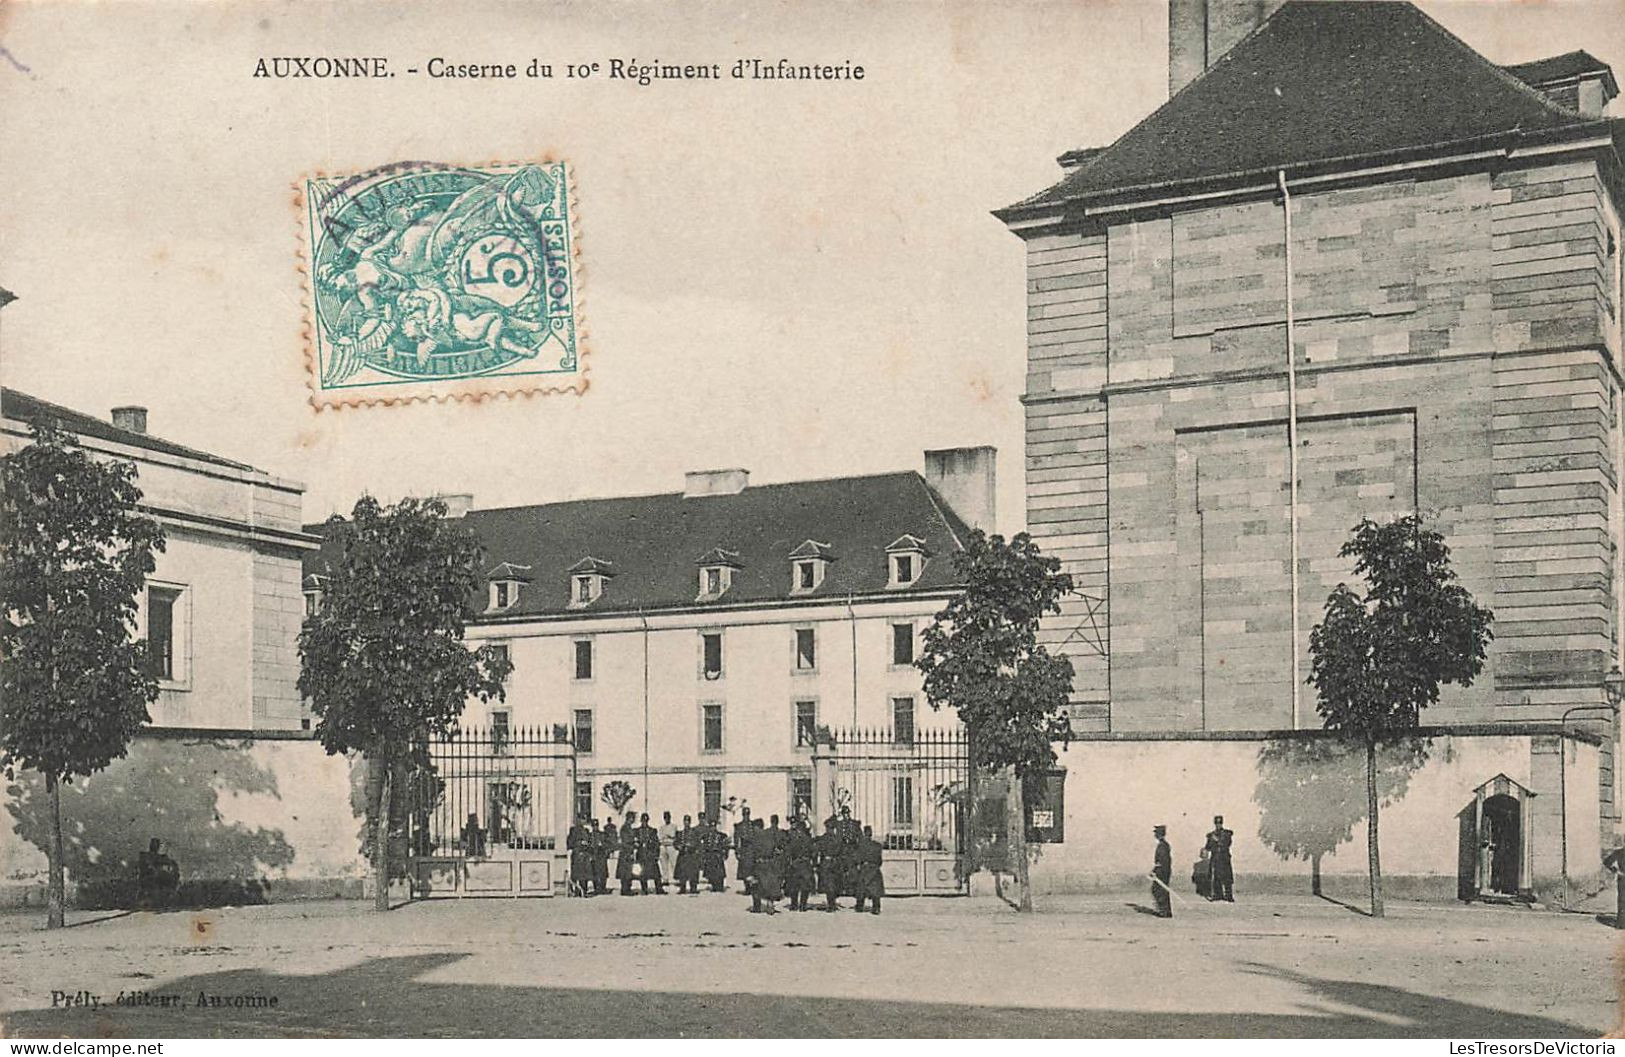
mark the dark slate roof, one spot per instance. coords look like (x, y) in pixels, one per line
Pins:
(655, 543)
(1319, 85)
(1559, 67)
(31, 409)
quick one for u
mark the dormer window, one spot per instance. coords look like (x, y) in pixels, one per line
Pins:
(716, 573)
(587, 579)
(506, 582)
(808, 564)
(905, 560)
(315, 587)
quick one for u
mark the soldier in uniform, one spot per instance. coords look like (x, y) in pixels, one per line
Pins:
(603, 842)
(580, 845)
(687, 865)
(1162, 871)
(828, 850)
(714, 855)
(648, 861)
(799, 852)
(744, 830)
(1221, 876)
(768, 860)
(626, 856)
(870, 883)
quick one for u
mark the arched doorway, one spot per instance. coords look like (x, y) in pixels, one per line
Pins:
(1501, 844)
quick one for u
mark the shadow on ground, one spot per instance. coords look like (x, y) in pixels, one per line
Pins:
(386, 997)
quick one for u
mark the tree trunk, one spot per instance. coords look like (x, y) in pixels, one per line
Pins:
(380, 841)
(1018, 845)
(1374, 864)
(1314, 874)
(55, 896)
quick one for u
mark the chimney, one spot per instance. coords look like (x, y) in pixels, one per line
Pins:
(458, 504)
(1073, 160)
(698, 483)
(132, 418)
(964, 478)
(1201, 31)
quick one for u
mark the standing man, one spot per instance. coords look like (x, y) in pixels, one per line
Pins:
(768, 861)
(1221, 876)
(580, 845)
(648, 852)
(828, 848)
(668, 847)
(1162, 871)
(602, 850)
(798, 854)
(626, 857)
(714, 855)
(871, 883)
(744, 832)
(686, 868)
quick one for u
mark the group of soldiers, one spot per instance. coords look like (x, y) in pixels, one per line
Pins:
(772, 863)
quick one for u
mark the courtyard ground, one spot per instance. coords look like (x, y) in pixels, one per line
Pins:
(702, 966)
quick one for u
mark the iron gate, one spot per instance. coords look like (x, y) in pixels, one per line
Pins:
(913, 790)
(484, 818)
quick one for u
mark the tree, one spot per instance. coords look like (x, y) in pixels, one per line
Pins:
(1379, 658)
(382, 661)
(981, 656)
(74, 682)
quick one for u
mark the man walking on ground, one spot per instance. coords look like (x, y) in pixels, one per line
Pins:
(1221, 876)
(871, 883)
(1162, 871)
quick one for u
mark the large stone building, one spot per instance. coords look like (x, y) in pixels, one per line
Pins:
(1351, 268)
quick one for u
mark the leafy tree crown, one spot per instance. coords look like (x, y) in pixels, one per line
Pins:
(383, 661)
(981, 655)
(74, 682)
(1379, 657)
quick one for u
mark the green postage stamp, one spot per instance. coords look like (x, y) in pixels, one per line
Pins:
(429, 282)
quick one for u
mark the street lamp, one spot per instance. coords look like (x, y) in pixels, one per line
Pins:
(1613, 687)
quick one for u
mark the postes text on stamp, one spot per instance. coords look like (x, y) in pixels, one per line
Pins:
(435, 282)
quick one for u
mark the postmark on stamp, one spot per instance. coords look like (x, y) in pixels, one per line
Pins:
(429, 282)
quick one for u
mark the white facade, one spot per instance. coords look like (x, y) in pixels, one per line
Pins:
(229, 571)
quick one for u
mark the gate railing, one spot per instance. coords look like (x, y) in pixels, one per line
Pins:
(488, 789)
(910, 787)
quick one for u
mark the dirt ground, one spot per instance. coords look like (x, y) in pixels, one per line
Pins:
(703, 966)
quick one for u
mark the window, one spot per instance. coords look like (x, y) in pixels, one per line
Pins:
(583, 800)
(806, 576)
(501, 650)
(905, 558)
(711, 728)
(902, 802)
(501, 731)
(583, 649)
(902, 720)
(801, 796)
(808, 563)
(583, 723)
(806, 723)
(716, 573)
(903, 568)
(711, 797)
(501, 594)
(902, 644)
(583, 589)
(587, 579)
(162, 603)
(713, 581)
(313, 603)
(806, 650)
(711, 654)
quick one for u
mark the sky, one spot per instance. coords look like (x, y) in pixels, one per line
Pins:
(801, 279)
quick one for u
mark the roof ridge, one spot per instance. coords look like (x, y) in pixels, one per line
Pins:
(679, 494)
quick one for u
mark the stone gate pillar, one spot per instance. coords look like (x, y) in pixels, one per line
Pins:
(823, 782)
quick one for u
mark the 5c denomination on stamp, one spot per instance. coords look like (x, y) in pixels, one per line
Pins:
(428, 282)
